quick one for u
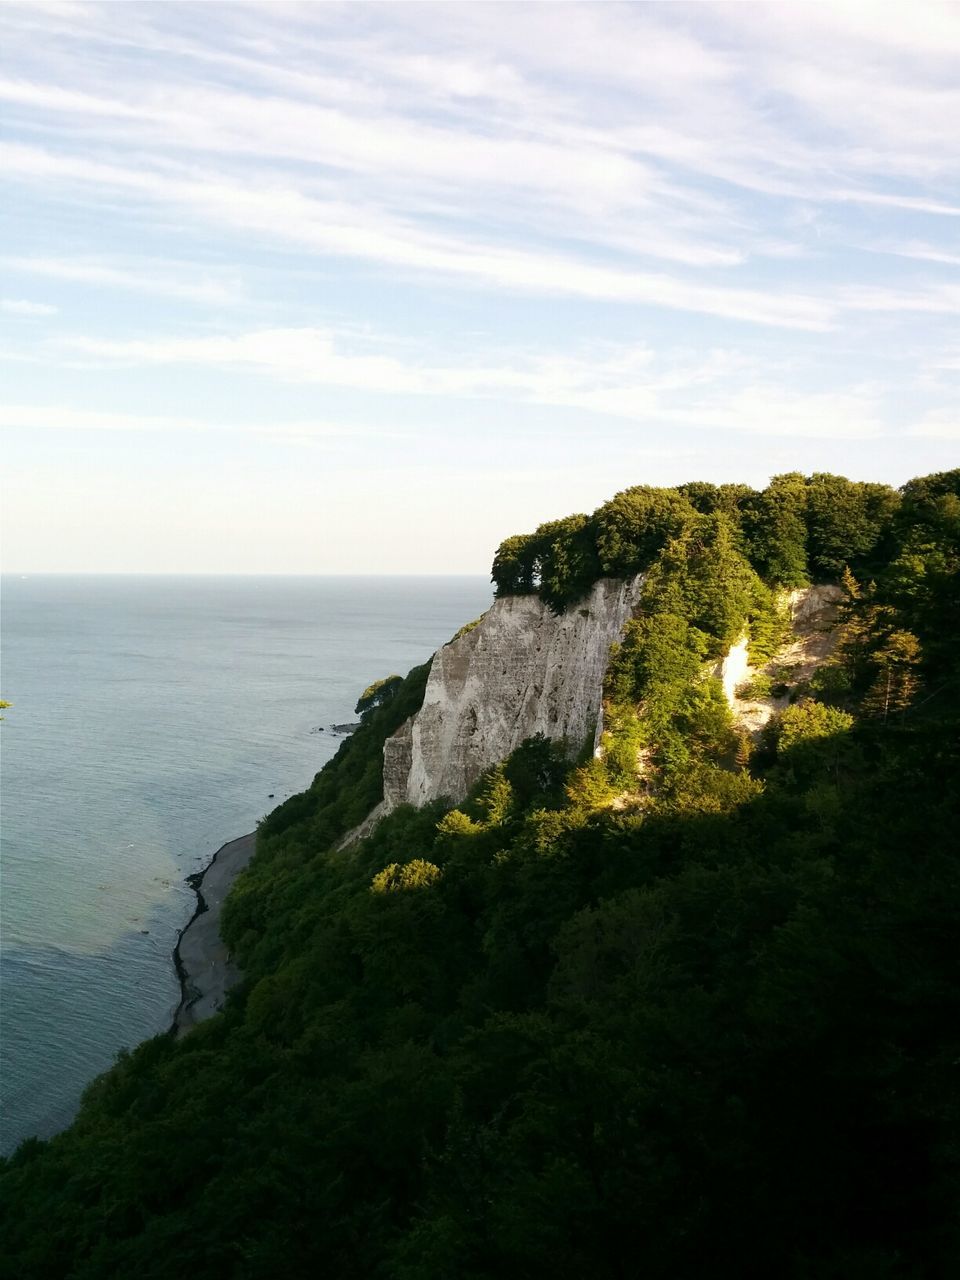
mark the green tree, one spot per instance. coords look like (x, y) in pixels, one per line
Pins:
(399, 878)
(377, 695)
(515, 569)
(458, 823)
(536, 772)
(567, 559)
(635, 525)
(703, 576)
(807, 721)
(776, 530)
(846, 522)
(897, 679)
(589, 788)
(710, 498)
(496, 797)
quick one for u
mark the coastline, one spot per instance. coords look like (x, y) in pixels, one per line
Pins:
(200, 957)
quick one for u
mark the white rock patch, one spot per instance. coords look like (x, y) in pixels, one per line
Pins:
(813, 614)
(521, 671)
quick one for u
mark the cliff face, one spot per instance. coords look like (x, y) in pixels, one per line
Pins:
(520, 671)
(523, 670)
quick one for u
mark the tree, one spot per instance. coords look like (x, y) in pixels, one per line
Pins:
(897, 679)
(399, 878)
(515, 570)
(567, 559)
(377, 695)
(589, 787)
(457, 823)
(708, 498)
(703, 577)
(851, 587)
(807, 721)
(846, 522)
(536, 771)
(636, 524)
(776, 530)
(496, 798)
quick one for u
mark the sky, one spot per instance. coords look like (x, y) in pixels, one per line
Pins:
(322, 288)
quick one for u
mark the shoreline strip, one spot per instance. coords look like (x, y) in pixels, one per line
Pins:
(200, 957)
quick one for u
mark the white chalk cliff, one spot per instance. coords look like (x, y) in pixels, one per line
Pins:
(522, 670)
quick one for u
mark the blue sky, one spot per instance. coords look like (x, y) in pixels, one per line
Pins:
(320, 288)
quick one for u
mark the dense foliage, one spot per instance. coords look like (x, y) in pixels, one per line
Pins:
(692, 1008)
(799, 529)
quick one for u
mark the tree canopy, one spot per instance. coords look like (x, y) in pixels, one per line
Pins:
(796, 530)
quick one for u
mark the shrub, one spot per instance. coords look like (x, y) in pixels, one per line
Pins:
(399, 878)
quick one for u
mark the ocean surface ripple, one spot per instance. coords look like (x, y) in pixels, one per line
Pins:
(152, 717)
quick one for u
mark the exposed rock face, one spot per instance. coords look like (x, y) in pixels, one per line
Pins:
(521, 671)
(813, 613)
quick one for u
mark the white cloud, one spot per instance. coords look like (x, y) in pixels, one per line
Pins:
(593, 125)
(700, 390)
(616, 380)
(337, 229)
(916, 204)
(929, 30)
(918, 251)
(51, 97)
(936, 298)
(620, 180)
(534, 98)
(62, 417)
(938, 424)
(782, 411)
(29, 310)
(170, 280)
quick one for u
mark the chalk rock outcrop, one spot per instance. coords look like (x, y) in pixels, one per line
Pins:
(522, 670)
(813, 616)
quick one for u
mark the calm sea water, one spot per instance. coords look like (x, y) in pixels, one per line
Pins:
(151, 719)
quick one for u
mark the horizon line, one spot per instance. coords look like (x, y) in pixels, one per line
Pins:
(222, 573)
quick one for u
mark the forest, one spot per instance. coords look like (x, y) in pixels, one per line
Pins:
(687, 1008)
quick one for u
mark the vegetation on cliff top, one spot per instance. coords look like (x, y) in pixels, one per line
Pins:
(685, 1009)
(799, 529)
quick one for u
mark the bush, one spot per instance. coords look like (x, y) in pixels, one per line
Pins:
(807, 721)
(757, 688)
(397, 878)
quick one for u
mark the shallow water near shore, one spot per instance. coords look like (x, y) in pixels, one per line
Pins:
(152, 717)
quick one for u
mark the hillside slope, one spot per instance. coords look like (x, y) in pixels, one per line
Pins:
(687, 1007)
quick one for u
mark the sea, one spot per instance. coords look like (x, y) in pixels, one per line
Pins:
(152, 719)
